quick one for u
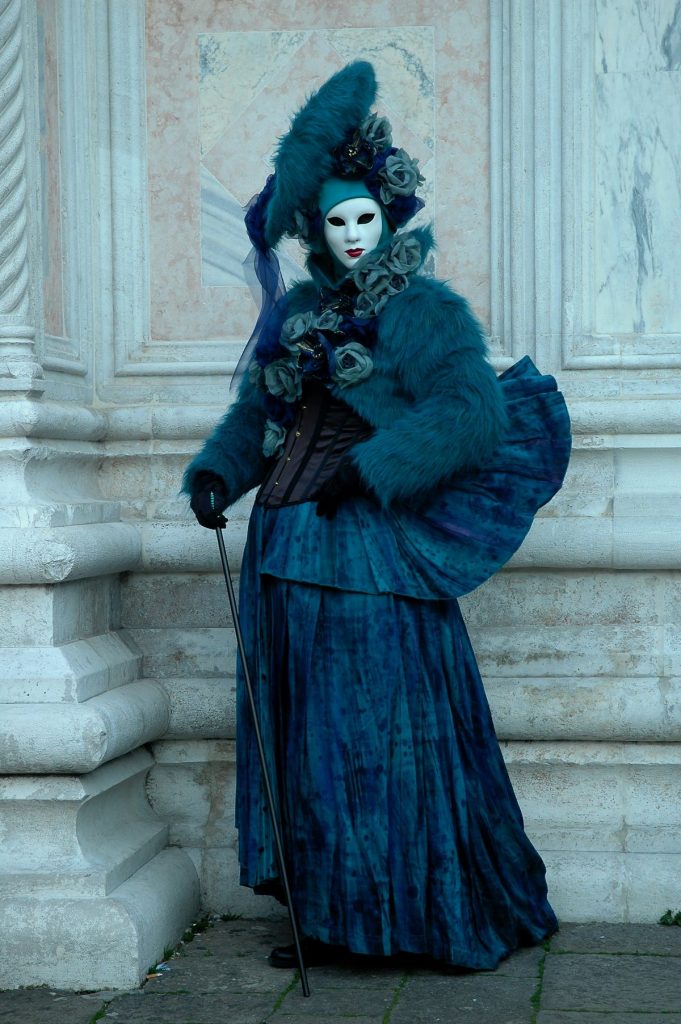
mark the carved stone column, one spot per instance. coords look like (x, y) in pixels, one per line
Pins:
(89, 892)
(20, 371)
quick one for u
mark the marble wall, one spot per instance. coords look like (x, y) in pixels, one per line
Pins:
(637, 118)
(220, 94)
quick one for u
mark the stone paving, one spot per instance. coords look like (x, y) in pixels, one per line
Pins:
(586, 974)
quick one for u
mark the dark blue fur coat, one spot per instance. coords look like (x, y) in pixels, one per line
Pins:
(433, 399)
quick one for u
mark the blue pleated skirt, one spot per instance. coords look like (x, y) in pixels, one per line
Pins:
(402, 831)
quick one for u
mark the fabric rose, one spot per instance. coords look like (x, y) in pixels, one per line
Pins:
(328, 320)
(371, 277)
(353, 364)
(283, 379)
(295, 329)
(400, 176)
(378, 279)
(369, 304)
(377, 131)
(404, 255)
(274, 438)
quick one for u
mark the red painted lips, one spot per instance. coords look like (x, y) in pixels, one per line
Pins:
(354, 252)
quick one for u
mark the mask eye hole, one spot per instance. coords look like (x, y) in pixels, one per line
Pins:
(366, 218)
(337, 222)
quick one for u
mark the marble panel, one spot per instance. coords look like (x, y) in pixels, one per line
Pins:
(637, 35)
(213, 81)
(638, 186)
(48, 94)
(264, 116)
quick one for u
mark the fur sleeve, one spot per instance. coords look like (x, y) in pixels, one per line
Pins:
(234, 449)
(458, 414)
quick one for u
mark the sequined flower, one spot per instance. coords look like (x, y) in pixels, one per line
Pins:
(355, 157)
(400, 176)
(275, 436)
(353, 364)
(283, 379)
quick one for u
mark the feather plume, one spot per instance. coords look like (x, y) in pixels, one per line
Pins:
(304, 157)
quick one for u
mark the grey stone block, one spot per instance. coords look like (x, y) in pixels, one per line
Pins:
(556, 1017)
(337, 1002)
(45, 1006)
(601, 937)
(466, 999)
(189, 1009)
(356, 975)
(205, 970)
(278, 1018)
(612, 983)
(524, 963)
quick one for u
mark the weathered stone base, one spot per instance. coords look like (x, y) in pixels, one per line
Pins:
(90, 895)
(104, 943)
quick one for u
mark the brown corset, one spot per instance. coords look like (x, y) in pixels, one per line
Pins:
(324, 429)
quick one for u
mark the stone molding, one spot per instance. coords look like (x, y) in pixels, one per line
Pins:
(90, 808)
(630, 542)
(56, 420)
(45, 555)
(77, 738)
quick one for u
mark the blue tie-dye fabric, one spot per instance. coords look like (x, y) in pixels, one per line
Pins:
(402, 829)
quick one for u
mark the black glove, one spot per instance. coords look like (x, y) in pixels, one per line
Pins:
(209, 499)
(345, 483)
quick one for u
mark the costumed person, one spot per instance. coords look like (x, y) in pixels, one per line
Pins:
(396, 472)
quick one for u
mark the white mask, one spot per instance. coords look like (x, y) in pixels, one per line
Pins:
(353, 228)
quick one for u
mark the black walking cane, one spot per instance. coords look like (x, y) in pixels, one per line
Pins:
(263, 763)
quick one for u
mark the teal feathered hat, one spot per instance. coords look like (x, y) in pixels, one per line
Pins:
(335, 149)
(333, 136)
